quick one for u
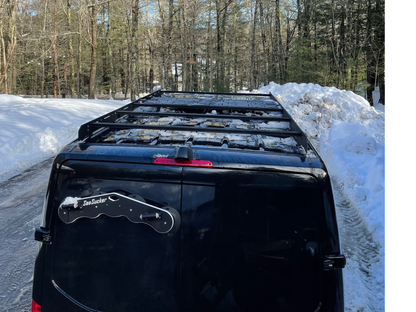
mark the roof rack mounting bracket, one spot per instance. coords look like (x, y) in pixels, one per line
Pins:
(184, 153)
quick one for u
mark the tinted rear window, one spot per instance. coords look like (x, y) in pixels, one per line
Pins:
(251, 242)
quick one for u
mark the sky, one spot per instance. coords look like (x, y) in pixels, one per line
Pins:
(347, 132)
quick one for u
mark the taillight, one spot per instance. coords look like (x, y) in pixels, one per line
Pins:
(176, 162)
(35, 307)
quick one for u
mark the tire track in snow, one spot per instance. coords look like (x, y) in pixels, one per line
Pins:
(363, 288)
(21, 201)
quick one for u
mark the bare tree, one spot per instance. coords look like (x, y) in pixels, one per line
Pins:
(8, 40)
(55, 52)
(71, 50)
(93, 68)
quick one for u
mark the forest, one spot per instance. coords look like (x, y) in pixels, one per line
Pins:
(123, 48)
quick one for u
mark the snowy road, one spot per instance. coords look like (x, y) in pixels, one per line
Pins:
(364, 289)
(21, 200)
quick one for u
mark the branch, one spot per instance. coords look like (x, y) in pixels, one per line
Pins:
(226, 6)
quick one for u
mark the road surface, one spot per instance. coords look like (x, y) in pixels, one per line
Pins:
(21, 201)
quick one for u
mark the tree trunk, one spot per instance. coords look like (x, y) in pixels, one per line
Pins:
(134, 29)
(371, 78)
(253, 48)
(264, 66)
(93, 70)
(380, 48)
(167, 28)
(169, 58)
(342, 50)
(55, 52)
(282, 76)
(3, 62)
(211, 54)
(221, 7)
(8, 44)
(79, 58)
(110, 54)
(71, 54)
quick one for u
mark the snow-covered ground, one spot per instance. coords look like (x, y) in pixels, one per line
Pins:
(347, 132)
(32, 130)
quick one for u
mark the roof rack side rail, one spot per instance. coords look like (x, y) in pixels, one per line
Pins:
(216, 93)
(85, 130)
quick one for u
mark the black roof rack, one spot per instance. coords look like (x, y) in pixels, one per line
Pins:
(247, 107)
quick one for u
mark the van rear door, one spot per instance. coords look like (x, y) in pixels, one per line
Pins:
(105, 257)
(247, 241)
(251, 241)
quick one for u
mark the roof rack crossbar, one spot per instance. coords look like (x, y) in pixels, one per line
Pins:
(207, 116)
(211, 107)
(122, 126)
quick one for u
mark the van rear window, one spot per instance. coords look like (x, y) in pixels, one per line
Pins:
(253, 242)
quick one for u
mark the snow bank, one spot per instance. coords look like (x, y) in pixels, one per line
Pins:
(32, 130)
(349, 135)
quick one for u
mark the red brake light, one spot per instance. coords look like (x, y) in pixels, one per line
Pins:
(189, 163)
(36, 307)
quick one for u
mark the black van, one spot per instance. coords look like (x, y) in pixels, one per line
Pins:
(189, 201)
